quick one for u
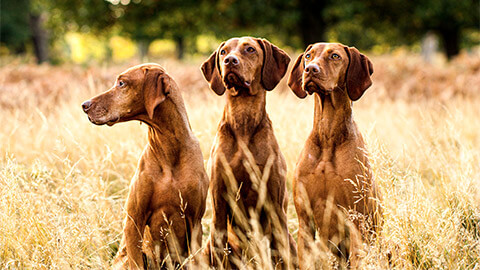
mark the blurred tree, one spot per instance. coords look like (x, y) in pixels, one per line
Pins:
(147, 20)
(39, 36)
(85, 16)
(413, 19)
(312, 22)
(143, 21)
(97, 17)
(362, 23)
(38, 16)
(15, 29)
(273, 19)
(23, 21)
(350, 22)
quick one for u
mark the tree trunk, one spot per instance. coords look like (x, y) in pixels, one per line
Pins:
(451, 41)
(39, 37)
(180, 46)
(143, 48)
(429, 46)
(312, 24)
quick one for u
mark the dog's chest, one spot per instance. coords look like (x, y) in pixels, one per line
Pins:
(165, 191)
(245, 170)
(326, 173)
(243, 165)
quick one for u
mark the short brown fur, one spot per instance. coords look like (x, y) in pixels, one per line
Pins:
(245, 68)
(333, 178)
(170, 184)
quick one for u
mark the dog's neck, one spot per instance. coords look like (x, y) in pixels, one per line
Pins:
(333, 119)
(169, 131)
(245, 113)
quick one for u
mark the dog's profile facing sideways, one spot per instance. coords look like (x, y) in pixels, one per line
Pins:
(169, 189)
(334, 190)
(247, 169)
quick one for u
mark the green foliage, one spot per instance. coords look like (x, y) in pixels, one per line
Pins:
(366, 24)
(145, 21)
(14, 30)
(271, 19)
(95, 16)
(412, 19)
(253, 17)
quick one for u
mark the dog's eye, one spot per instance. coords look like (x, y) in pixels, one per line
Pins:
(222, 52)
(307, 56)
(250, 49)
(335, 56)
(121, 83)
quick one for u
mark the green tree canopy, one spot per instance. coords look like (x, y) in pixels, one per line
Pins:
(15, 29)
(413, 19)
(361, 23)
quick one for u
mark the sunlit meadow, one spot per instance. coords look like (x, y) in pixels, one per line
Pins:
(63, 180)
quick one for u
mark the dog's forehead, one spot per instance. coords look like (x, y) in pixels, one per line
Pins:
(150, 66)
(321, 47)
(131, 73)
(231, 43)
(241, 41)
(317, 47)
(140, 69)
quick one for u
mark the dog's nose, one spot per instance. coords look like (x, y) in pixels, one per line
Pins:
(86, 105)
(231, 60)
(312, 68)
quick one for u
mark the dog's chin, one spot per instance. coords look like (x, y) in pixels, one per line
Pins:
(233, 80)
(109, 122)
(311, 86)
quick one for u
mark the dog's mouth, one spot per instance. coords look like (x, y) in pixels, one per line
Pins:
(109, 122)
(112, 122)
(312, 85)
(233, 80)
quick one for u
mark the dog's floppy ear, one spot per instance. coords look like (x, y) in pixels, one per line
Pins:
(211, 72)
(156, 88)
(358, 73)
(275, 64)
(295, 80)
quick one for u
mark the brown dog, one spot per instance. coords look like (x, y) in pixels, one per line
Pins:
(333, 178)
(244, 68)
(169, 189)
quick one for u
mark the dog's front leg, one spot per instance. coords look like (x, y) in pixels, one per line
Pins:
(306, 227)
(134, 242)
(120, 261)
(137, 202)
(282, 247)
(306, 235)
(218, 231)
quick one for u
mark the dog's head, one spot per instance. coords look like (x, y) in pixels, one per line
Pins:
(137, 91)
(324, 67)
(245, 65)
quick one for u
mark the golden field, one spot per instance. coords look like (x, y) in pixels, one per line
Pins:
(63, 180)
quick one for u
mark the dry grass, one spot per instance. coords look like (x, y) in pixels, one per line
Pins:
(63, 181)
